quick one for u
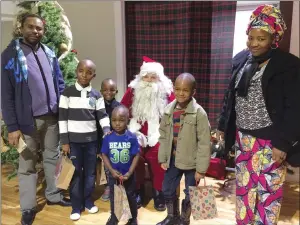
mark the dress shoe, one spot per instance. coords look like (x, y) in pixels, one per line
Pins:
(28, 217)
(64, 202)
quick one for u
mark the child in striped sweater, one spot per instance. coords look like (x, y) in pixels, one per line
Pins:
(80, 107)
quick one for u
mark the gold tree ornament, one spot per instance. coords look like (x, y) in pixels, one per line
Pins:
(63, 48)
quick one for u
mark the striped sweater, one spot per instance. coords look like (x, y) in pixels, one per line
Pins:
(79, 110)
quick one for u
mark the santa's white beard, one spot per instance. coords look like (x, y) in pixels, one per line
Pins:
(149, 101)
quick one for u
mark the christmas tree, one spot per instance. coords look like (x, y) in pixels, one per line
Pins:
(58, 37)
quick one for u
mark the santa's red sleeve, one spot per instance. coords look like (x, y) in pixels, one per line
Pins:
(171, 97)
(127, 98)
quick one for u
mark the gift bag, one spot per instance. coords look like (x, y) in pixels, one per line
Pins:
(100, 173)
(126, 212)
(118, 204)
(64, 172)
(203, 202)
(122, 209)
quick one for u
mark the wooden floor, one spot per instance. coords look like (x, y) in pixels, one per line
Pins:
(56, 215)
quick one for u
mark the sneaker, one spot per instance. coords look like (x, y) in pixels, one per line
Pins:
(93, 210)
(105, 196)
(74, 216)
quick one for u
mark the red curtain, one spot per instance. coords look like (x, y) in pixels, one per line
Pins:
(194, 37)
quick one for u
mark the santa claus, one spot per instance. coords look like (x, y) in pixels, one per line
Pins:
(146, 97)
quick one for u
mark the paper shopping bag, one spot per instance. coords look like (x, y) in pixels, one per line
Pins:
(121, 204)
(100, 173)
(203, 202)
(126, 212)
(118, 204)
(64, 172)
(21, 145)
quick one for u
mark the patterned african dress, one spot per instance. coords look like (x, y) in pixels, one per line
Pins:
(259, 180)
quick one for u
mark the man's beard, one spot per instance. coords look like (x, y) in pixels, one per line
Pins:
(149, 101)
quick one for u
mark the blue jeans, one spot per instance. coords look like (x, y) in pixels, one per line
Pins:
(84, 158)
(172, 179)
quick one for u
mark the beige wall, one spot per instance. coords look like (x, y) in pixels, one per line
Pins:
(93, 29)
(6, 33)
(294, 47)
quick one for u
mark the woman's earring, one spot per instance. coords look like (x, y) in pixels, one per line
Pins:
(274, 45)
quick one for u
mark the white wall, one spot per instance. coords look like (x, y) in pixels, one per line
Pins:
(6, 33)
(240, 37)
(294, 47)
(93, 29)
(8, 9)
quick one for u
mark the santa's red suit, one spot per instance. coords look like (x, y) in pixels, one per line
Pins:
(148, 128)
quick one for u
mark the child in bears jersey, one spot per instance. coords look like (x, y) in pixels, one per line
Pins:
(120, 153)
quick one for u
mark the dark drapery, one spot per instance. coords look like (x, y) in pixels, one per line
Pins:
(194, 37)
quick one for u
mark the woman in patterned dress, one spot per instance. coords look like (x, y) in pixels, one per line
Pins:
(261, 115)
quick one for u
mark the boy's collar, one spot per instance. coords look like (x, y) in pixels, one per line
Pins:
(189, 109)
(125, 132)
(191, 106)
(79, 88)
(109, 102)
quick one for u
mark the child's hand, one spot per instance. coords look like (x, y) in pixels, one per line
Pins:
(199, 176)
(116, 174)
(164, 166)
(220, 135)
(107, 133)
(126, 176)
(66, 149)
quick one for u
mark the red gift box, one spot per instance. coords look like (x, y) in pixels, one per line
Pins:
(217, 168)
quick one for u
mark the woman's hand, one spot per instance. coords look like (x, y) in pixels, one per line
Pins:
(278, 155)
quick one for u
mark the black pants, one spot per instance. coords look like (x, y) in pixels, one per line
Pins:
(172, 179)
(130, 191)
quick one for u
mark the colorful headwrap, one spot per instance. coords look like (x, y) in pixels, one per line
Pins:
(268, 18)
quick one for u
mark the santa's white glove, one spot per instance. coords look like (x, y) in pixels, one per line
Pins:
(141, 139)
(153, 139)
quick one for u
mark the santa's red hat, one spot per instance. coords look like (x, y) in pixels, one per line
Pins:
(151, 66)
